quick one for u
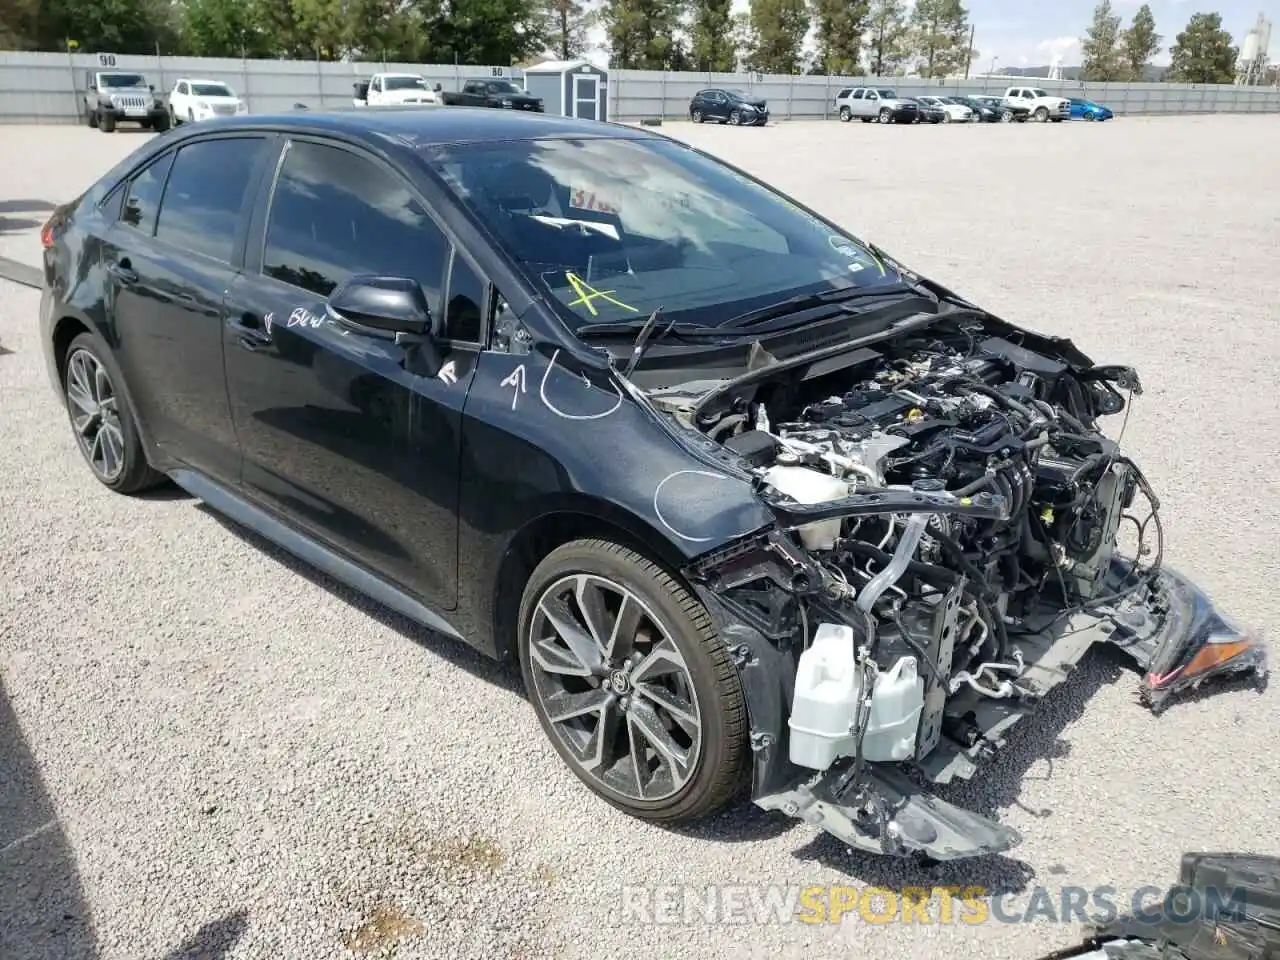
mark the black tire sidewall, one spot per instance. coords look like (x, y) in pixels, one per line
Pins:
(137, 473)
(626, 567)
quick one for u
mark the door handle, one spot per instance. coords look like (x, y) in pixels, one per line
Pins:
(122, 271)
(253, 336)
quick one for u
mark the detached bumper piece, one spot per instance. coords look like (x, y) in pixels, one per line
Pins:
(1226, 906)
(883, 812)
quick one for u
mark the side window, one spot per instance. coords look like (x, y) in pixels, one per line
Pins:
(335, 214)
(143, 199)
(844, 93)
(468, 294)
(205, 196)
(471, 87)
(857, 94)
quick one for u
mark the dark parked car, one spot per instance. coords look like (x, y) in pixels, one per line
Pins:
(1004, 110)
(927, 112)
(983, 110)
(491, 93)
(728, 106)
(744, 498)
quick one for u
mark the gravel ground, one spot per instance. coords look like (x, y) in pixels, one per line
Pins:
(207, 750)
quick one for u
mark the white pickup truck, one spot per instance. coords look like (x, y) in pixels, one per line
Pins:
(394, 89)
(1042, 105)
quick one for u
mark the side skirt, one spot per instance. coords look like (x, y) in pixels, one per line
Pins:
(308, 550)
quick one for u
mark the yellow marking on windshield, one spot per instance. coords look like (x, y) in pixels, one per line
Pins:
(586, 293)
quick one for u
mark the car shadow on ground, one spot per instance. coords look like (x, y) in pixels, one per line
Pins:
(43, 911)
(505, 676)
(28, 215)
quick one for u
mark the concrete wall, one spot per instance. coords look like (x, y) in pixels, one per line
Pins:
(44, 87)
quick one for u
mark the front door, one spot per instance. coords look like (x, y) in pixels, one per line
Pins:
(586, 97)
(346, 433)
(170, 266)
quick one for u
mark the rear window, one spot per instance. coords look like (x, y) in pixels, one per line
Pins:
(206, 193)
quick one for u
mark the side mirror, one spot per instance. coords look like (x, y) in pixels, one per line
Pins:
(151, 87)
(394, 305)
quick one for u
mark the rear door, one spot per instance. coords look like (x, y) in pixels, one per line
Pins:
(170, 259)
(346, 433)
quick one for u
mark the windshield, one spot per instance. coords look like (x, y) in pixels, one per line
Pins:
(211, 90)
(887, 94)
(122, 80)
(403, 83)
(504, 86)
(614, 228)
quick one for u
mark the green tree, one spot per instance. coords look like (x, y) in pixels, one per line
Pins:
(711, 32)
(887, 35)
(743, 37)
(1103, 55)
(486, 31)
(940, 36)
(779, 27)
(841, 25)
(642, 34)
(1140, 42)
(567, 25)
(18, 24)
(223, 28)
(1203, 52)
(114, 26)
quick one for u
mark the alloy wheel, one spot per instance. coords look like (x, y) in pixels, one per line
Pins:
(615, 687)
(95, 416)
(884, 116)
(735, 118)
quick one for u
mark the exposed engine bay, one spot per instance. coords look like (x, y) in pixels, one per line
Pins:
(950, 520)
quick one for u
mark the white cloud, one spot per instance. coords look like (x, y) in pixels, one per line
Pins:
(1063, 47)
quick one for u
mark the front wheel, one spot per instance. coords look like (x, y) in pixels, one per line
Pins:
(91, 118)
(161, 122)
(101, 420)
(1042, 114)
(735, 117)
(1006, 116)
(631, 682)
(107, 123)
(885, 115)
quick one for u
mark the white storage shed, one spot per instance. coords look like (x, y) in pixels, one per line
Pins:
(570, 88)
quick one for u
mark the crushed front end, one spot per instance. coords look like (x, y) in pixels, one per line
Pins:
(948, 546)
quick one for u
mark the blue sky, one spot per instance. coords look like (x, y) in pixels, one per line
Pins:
(1032, 32)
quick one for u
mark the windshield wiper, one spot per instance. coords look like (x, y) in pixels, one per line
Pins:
(806, 301)
(613, 328)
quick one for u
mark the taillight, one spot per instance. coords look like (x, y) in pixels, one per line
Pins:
(46, 232)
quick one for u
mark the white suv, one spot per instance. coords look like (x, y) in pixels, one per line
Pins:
(193, 100)
(1042, 105)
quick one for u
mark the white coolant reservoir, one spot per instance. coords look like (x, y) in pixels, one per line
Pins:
(828, 691)
(810, 486)
(897, 700)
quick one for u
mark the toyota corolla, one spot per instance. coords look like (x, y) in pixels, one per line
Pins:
(748, 500)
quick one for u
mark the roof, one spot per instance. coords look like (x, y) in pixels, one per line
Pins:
(436, 125)
(559, 66)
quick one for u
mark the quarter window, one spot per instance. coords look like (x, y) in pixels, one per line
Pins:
(464, 319)
(335, 214)
(143, 200)
(206, 193)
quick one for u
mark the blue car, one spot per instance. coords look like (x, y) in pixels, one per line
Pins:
(1088, 110)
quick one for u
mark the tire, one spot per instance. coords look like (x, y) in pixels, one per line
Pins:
(946, 117)
(144, 124)
(845, 114)
(1006, 116)
(107, 123)
(1041, 114)
(735, 118)
(161, 122)
(695, 116)
(701, 673)
(1090, 117)
(124, 470)
(885, 116)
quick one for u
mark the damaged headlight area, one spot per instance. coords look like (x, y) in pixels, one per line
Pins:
(950, 541)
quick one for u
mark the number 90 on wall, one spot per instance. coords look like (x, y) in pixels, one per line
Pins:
(106, 59)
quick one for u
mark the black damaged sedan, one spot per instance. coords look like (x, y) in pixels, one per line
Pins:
(749, 501)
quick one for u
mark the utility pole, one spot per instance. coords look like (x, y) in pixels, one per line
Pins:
(969, 59)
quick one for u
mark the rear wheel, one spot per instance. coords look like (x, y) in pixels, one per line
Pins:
(100, 418)
(631, 682)
(845, 114)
